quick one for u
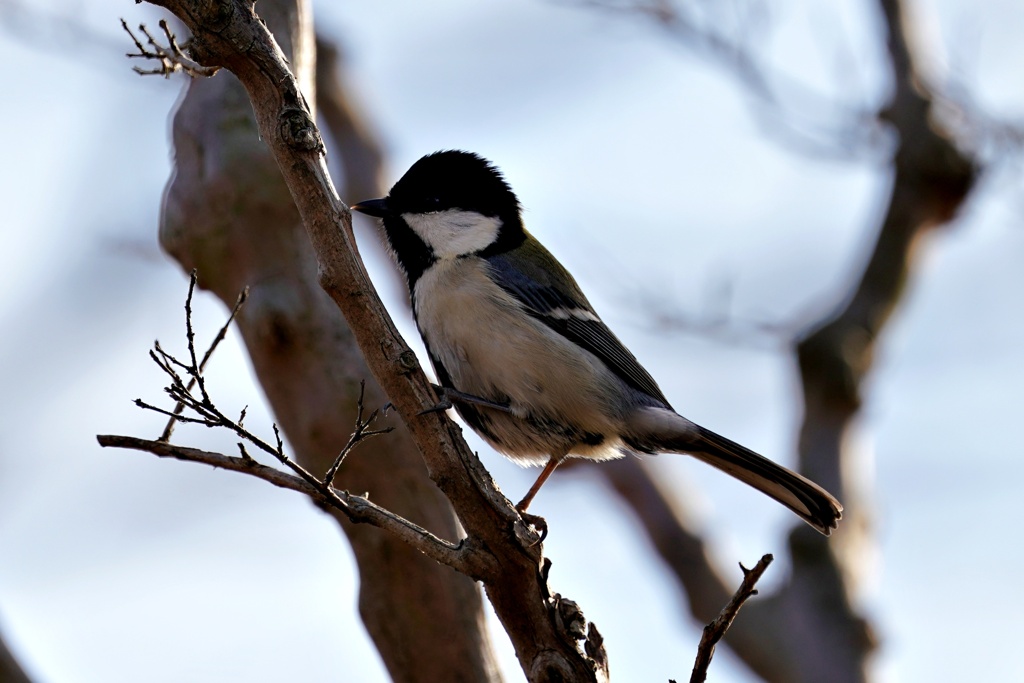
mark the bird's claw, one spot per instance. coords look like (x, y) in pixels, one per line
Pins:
(537, 522)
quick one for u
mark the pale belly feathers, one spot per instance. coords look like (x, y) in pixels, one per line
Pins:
(562, 400)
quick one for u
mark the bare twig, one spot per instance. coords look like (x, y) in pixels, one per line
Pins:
(714, 631)
(190, 334)
(175, 417)
(357, 509)
(172, 58)
(165, 362)
(242, 296)
(209, 415)
(360, 433)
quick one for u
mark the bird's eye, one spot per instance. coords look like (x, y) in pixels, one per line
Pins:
(432, 204)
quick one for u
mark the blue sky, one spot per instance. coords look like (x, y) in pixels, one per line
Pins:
(631, 156)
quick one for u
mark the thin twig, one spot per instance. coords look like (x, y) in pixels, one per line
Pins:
(359, 434)
(209, 415)
(171, 58)
(176, 417)
(168, 360)
(714, 631)
(358, 509)
(190, 335)
(221, 334)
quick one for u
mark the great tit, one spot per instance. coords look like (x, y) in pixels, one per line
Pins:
(521, 353)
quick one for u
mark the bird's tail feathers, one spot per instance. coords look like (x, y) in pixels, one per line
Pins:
(670, 432)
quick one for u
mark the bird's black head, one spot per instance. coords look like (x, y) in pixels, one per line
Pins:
(448, 204)
(454, 180)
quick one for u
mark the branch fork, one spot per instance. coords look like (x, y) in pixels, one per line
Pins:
(171, 57)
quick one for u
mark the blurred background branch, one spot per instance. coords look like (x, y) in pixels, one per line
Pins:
(933, 177)
(734, 35)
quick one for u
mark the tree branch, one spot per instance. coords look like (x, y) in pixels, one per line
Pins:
(714, 631)
(360, 433)
(358, 151)
(228, 33)
(243, 295)
(228, 212)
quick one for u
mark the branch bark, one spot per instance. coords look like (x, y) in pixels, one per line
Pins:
(289, 335)
(714, 631)
(358, 149)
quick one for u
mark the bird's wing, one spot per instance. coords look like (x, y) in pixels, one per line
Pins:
(548, 293)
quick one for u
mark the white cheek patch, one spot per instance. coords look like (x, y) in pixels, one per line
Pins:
(454, 232)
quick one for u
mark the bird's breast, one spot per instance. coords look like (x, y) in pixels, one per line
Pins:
(559, 395)
(473, 328)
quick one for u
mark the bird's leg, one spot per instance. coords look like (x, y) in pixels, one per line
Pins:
(548, 469)
(536, 521)
(447, 394)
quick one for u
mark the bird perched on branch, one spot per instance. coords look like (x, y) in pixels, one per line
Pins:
(520, 352)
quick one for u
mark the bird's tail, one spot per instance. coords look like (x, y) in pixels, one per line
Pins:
(666, 431)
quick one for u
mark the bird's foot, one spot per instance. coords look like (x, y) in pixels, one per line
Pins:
(539, 524)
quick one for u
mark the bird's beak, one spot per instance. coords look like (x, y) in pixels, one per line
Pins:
(373, 207)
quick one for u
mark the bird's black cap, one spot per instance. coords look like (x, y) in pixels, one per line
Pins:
(449, 179)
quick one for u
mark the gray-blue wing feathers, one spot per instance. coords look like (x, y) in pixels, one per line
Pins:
(549, 294)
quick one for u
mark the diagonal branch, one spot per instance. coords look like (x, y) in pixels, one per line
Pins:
(714, 631)
(228, 33)
(228, 211)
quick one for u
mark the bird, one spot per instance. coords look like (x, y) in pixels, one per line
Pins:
(521, 354)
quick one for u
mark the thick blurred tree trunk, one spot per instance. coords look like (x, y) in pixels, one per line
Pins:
(228, 213)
